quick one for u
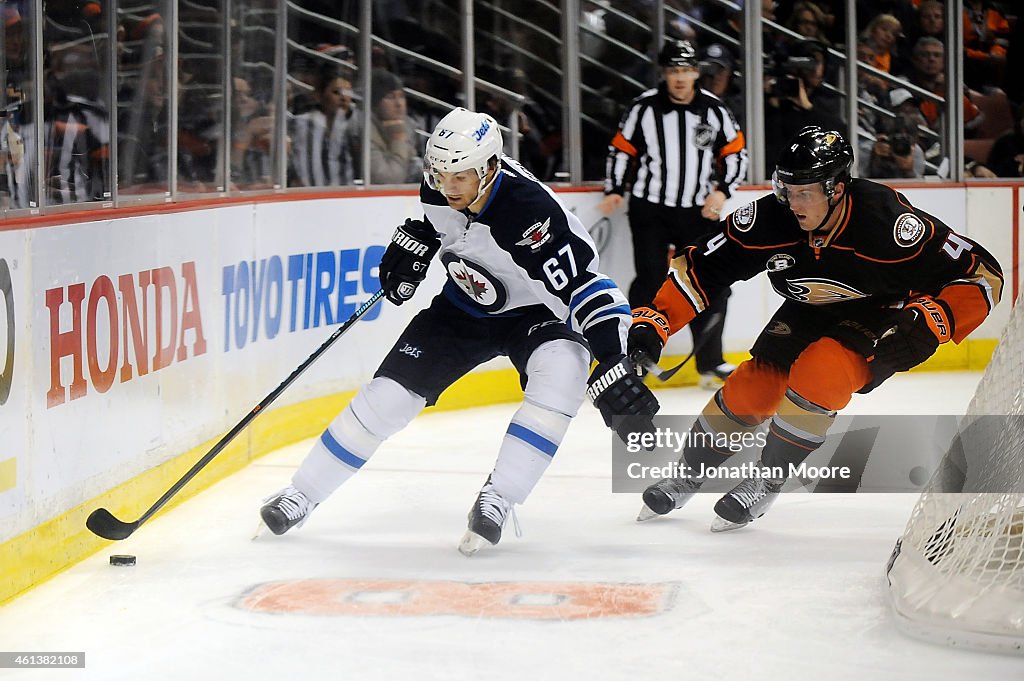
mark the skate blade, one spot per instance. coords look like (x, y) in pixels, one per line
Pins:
(720, 524)
(261, 531)
(471, 543)
(645, 514)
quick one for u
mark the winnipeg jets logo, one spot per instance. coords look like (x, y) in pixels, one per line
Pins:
(908, 230)
(476, 289)
(479, 286)
(703, 136)
(819, 291)
(536, 236)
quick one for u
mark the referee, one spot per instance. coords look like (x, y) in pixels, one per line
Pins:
(680, 154)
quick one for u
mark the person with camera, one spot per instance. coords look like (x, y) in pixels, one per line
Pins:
(680, 153)
(796, 96)
(896, 152)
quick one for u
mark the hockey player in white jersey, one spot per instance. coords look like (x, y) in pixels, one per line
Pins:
(523, 282)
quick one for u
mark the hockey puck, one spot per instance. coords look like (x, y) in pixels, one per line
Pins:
(122, 560)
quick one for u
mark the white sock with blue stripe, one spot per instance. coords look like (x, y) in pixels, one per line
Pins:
(337, 455)
(526, 452)
(378, 411)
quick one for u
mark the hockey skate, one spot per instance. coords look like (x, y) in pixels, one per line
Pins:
(714, 379)
(745, 502)
(486, 520)
(667, 495)
(287, 509)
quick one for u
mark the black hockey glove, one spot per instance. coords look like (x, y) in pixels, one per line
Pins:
(648, 334)
(405, 262)
(617, 390)
(914, 334)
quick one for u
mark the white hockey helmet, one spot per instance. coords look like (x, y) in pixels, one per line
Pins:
(462, 140)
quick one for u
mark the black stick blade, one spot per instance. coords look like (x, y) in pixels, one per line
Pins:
(103, 524)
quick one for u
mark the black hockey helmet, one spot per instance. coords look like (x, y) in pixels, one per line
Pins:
(814, 155)
(678, 53)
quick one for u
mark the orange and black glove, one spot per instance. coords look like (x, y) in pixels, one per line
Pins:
(648, 334)
(914, 334)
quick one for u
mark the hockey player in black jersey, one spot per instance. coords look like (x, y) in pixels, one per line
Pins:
(523, 282)
(872, 286)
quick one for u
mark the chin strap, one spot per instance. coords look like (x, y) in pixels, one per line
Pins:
(831, 209)
(484, 186)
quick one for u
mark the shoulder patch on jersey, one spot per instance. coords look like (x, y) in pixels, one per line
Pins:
(908, 230)
(703, 136)
(537, 235)
(744, 217)
(779, 262)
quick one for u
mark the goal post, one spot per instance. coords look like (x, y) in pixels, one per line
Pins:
(956, 575)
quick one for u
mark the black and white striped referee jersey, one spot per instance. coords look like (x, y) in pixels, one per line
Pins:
(676, 154)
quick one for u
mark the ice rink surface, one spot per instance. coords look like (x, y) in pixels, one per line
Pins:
(372, 587)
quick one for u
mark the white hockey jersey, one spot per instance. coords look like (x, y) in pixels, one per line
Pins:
(526, 249)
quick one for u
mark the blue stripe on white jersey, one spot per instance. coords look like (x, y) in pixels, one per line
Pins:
(596, 301)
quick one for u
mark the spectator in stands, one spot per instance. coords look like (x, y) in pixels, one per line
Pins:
(883, 32)
(797, 98)
(252, 134)
(986, 38)
(931, 20)
(716, 76)
(929, 74)
(322, 153)
(17, 188)
(1007, 156)
(809, 21)
(393, 146)
(871, 96)
(897, 152)
(78, 126)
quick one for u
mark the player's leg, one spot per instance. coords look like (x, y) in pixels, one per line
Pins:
(822, 381)
(650, 226)
(554, 366)
(749, 395)
(438, 346)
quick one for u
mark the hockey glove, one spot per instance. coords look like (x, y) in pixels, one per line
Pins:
(405, 262)
(914, 334)
(648, 334)
(617, 390)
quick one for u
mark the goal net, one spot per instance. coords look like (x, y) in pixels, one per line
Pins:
(957, 574)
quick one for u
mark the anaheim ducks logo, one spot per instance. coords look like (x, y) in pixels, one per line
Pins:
(830, 138)
(743, 218)
(908, 230)
(819, 291)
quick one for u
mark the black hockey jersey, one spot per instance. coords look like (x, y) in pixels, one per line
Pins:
(884, 252)
(525, 249)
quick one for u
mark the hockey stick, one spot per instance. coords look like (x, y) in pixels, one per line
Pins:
(103, 523)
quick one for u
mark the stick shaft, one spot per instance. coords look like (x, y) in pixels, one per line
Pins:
(264, 403)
